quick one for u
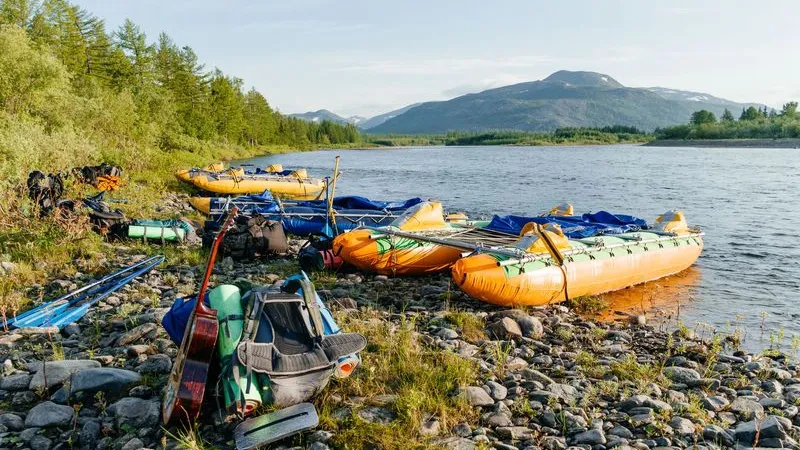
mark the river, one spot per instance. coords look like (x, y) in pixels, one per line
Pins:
(747, 202)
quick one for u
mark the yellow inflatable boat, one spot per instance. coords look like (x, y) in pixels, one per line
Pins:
(383, 252)
(293, 184)
(545, 267)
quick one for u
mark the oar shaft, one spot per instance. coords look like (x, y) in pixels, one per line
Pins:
(71, 297)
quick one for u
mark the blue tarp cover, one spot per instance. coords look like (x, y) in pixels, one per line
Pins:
(574, 227)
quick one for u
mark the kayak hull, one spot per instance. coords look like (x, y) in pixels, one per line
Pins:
(595, 271)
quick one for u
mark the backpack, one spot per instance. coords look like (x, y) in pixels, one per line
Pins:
(250, 237)
(291, 342)
(45, 190)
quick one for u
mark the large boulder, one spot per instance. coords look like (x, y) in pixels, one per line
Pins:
(106, 379)
(57, 372)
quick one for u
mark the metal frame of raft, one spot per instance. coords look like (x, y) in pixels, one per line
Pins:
(520, 256)
(62, 311)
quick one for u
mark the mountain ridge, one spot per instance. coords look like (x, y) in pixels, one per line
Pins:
(563, 99)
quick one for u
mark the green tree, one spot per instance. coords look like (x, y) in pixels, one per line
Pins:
(750, 113)
(16, 12)
(227, 107)
(133, 42)
(789, 110)
(726, 116)
(701, 117)
(30, 81)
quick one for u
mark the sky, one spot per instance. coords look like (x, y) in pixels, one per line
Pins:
(369, 57)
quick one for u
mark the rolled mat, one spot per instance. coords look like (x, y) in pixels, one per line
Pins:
(226, 299)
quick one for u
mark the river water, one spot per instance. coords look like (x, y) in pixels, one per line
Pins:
(747, 201)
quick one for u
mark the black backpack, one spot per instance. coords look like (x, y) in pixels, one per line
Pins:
(249, 237)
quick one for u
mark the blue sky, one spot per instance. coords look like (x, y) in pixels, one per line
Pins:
(368, 57)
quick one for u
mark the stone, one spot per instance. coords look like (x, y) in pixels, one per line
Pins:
(48, 414)
(505, 328)
(531, 327)
(447, 334)
(40, 442)
(12, 421)
(141, 392)
(682, 375)
(377, 414)
(554, 443)
(139, 349)
(455, 443)
(318, 446)
(772, 387)
(770, 427)
(89, 433)
(683, 427)
(7, 267)
(136, 412)
(497, 391)
(476, 396)
(430, 428)
(71, 330)
(57, 372)
(620, 431)
(718, 435)
(156, 364)
(590, 437)
(106, 379)
(515, 433)
(27, 434)
(320, 436)
(715, 402)
(16, 382)
(495, 420)
(463, 430)
(136, 334)
(565, 392)
(745, 408)
(777, 374)
(535, 375)
(133, 444)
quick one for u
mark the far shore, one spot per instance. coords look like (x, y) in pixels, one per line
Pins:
(720, 143)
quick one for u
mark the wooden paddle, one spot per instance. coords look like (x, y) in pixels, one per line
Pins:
(183, 395)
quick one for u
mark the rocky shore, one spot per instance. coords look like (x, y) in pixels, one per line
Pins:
(544, 378)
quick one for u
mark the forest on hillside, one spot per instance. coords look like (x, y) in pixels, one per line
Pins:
(73, 90)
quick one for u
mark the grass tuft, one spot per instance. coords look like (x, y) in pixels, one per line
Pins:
(422, 382)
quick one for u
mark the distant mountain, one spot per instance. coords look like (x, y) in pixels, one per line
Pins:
(379, 119)
(564, 99)
(324, 114)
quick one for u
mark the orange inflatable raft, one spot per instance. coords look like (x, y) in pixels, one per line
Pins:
(383, 253)
(551, 268)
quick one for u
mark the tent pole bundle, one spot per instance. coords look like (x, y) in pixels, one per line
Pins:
(66, 309)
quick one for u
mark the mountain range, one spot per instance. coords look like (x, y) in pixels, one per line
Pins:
(563, 99)
(324, 114)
